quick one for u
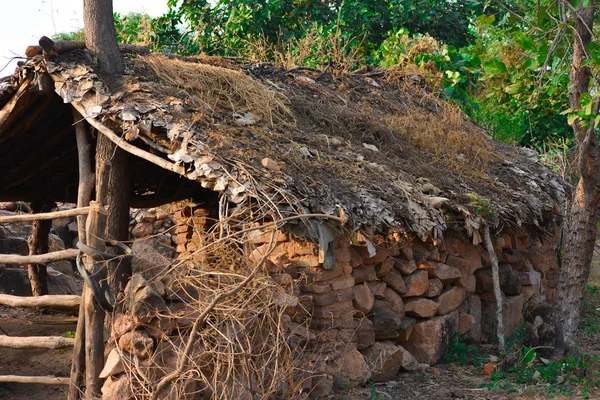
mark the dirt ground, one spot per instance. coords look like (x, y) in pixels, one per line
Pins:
(34, 362)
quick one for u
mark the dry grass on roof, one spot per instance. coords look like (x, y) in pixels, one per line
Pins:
(216, 88)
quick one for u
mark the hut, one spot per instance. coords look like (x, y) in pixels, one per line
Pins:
(329, 226)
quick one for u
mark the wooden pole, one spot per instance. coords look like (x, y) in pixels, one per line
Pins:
(44, 380)
(35, 342)
(487, 240)
(9, 219)
(58, 301)
(84, 196)
(68, 254)
(38, 244)
(94, 314)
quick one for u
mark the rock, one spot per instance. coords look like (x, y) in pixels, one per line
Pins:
(394, 301)
(406, 267)
(151, 257)
(364, 335)
(364, 273)
(322, 387)
(377, 287)
(113, 365)
(510, 281)
(117, 388)
(385, 267)
(430, 338)
(528, 292)
(395, 281)
(137, 343)
(350, 369)
(443, 272)
(434, 289)
(341, 310)
(342, 282)
(420, 307)
(14, 245)
(450, 299)
(473, 308)
(142, 300)
(406, 329)
(55, 243)
(531, 278)
(355, 259)
(512, 312)
(142, 230)
(465, 323)
(59, 283)
(363, 298)
(416, 283)
(384, 319)
(387, 358)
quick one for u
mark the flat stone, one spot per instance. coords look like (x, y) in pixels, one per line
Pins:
(394, 301)
(113, 365)
(450, 299)
(443, 272)
(416, 283)
(420, 307)
(377, 287)
(365, 273)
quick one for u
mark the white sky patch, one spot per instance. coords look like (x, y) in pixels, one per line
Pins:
(25, 21)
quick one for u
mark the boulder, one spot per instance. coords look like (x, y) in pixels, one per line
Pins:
(472, 307)
(386, 359)
(363, 298)
(465, 323)
(365, 273)
(450, 299)
(142, 230)
(395, 281)
(434, 289)
(430, 338)
(510, 281)
(151, 257)
(14, 245)
(416, 283)
(322, 387)
(117, 388)
(136, 342)
(384, 267)
(420, 307)
(384, 319)
(512, 315)
(531, 278)
(113, 365)
(141, 300)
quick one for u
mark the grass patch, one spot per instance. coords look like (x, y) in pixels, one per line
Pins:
(461, 353)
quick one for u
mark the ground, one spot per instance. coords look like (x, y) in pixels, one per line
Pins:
(32, 362)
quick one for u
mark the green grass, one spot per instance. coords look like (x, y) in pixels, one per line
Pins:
(461, 353)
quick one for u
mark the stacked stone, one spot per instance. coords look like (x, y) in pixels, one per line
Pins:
(192, 223)
(157, 222)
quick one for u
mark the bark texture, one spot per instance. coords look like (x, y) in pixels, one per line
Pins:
(38, 244)
(100, 36)
(583, 215)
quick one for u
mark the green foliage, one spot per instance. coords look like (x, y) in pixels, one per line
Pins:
(482, 207)
(462, 354)
(70, 334)
(77, 35)
(590, 314)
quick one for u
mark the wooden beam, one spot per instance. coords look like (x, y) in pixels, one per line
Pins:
(58, 301)
(68, 254)
(36, 342)
(128, 147)
(44, 380)
(9, 219)
(38, 244)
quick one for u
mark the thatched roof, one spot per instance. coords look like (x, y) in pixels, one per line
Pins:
(375, 144)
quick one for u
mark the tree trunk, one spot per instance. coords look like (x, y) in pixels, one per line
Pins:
(583, 215)
(114, 162)
(100, 36)
(38, 244)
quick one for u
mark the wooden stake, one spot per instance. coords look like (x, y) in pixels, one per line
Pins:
(57, 301)
(496, 281)
(94, 314)
(84, 196)
(38, 244)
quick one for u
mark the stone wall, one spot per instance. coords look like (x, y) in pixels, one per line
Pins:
(390, 303)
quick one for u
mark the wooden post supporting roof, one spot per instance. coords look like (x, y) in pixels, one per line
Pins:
(38, 244)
